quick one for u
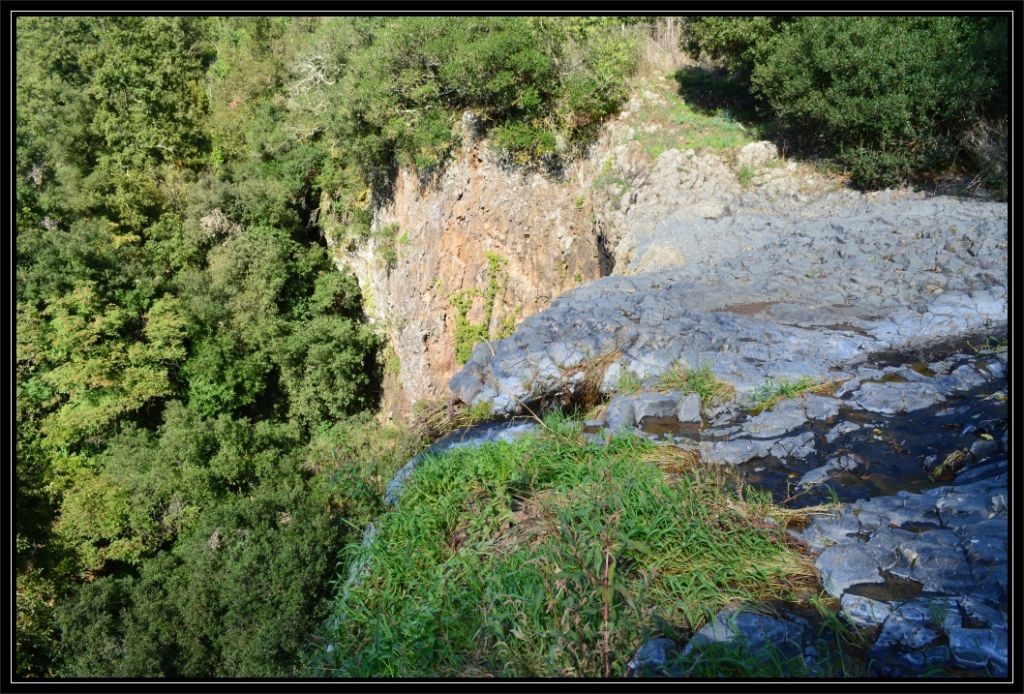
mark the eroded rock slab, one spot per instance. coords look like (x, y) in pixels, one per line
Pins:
(933, 580)
(820, 294)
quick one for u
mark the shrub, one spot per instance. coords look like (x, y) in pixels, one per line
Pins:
(523, 142)
(542, 83)
(887, 98)
(738, 43)
(886, 92)
(235, 598)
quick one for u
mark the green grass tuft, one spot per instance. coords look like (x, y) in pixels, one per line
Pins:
(628, 382)
(552, 557)
(675, 123)
(745, 176)
(769, 394)
(701, 381)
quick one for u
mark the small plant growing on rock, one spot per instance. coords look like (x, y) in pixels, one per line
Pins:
(745, 176)
(993, 344)
(952, 464)
(386, 244)
(508, 323)
(467, 333)
(766, 397)
(479, 412)
(628, 382)
(701, 381)
(391, 362)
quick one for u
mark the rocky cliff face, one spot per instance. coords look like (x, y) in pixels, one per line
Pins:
(473, 254)
(523, 238)
(465, 258)
(766, 297)
(760, 272)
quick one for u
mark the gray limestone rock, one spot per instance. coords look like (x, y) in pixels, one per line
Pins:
(654, 405)
(735, 451)
(844, 566)
(864, 612)
(754, 631)
(948, 541)
(978, 613)
(819, 407)
(911, 626)
(620, 414)
(818, 475)
(895, 397)
(977, 649)
(625, 412)
(798, 446)
(688, 410)
(775, 320)
(783, 418)
(938, 564)
(982, 472)
(841, 429)
(831, 529)
(652, 657)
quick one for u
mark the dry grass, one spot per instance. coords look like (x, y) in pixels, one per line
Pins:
(951, 465)
(436, 419)
(534, 522)
(674, 460)
(588, 392)
(986, 142)
(661, 51)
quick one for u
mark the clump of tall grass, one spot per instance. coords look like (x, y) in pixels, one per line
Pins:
(550, 556)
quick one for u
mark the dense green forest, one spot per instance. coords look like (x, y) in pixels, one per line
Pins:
(196, 380)
(194, 377)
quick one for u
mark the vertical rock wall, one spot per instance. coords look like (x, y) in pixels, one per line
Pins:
(536, 230)
(547, 233)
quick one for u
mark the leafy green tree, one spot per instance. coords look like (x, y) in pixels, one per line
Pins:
(738, 43)
(100, 377)
(191, 367)
(236, 597)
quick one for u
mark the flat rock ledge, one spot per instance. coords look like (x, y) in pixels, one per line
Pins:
(813, 296)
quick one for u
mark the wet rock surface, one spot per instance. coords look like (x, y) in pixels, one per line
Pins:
(922, 573)
(783, 641)
(929, 570)
(756, 630)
